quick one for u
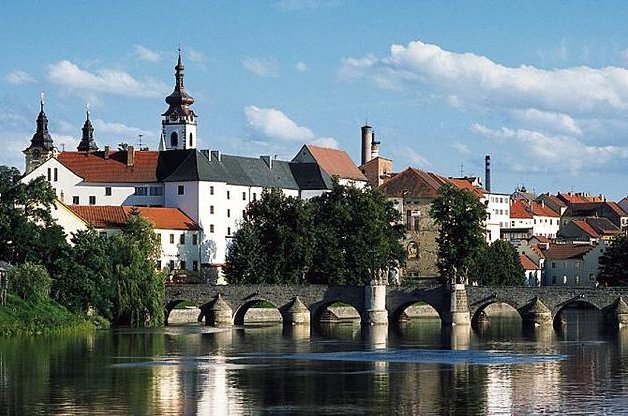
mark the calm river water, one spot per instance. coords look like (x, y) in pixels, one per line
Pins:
(341, 369)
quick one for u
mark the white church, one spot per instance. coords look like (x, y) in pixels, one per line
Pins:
(194, 198)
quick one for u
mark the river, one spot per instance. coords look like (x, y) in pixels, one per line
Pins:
(419, 368)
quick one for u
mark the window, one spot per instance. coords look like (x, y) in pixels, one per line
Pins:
(182, 239)
(244, 196)
(553, 265)
(156, 191)
(243, 213)
(228, 194)
(56, 174)
(171, 264)
(513, 224)
(107, 190)
(181, 190)
(577, 279)
(49, 174)
(576, 265)
(553, 280)
(228, 230)
(103, 234)
(191, 140)
(228, 213)
(171, 238)
(183, 265)
(195, 265)
(211, 228)
(140, 191)
(211, 190)
(174, 139)
(92, 200)
(254, 196)
(76, 200)
(194, 239)
(211, 209)
(158, 265)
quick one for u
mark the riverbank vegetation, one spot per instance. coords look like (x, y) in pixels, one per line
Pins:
(345, 236)
(113, 277)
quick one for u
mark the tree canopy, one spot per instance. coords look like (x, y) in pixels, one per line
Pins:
(497, 264)
(340, 237)
(613, 263)
(459, 215)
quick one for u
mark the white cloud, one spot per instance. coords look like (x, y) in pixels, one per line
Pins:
(301, 66)
(121, 131)
(462, 148)
(479, 80)
(262, 67)
(548, 120)
(19, 78)
(195, 56)
(103, 81)
(275, 124)
(145, 54)
(553, 153)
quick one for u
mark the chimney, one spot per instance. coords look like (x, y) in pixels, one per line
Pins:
(268, 160)
(374, 148)
(367, 140)
(107, 150)
(215, 155)
(487, 172)
(130, 156)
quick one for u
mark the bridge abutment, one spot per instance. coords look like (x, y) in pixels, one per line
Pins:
(375, 312)
(536, 314)
(219, 313)
(458, 313)
(297, 313)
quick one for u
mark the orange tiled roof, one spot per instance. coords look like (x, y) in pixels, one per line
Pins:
(542, 210)
(106, 216)
(93, 167)
(617, 209)
(464, 184)
(519, 210)
(336, 162)
(413, 182)
(567, 251)
(584, 226)
(527, 263)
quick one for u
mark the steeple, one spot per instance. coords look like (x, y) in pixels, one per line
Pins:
(41, 139)
(179, 101)
(87, 143)
(178, 126)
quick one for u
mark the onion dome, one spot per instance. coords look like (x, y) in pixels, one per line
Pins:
(42, 139)
(87, 143)
(179, 101)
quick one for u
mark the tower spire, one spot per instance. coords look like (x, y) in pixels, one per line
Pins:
(41, 139)
(87, 143)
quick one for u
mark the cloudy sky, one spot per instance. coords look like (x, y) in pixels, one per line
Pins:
(541, 86)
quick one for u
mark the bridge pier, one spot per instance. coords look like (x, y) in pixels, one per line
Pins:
(219, 313)
(536, 314)
(297, 313)
(458, 313)
(375, 312)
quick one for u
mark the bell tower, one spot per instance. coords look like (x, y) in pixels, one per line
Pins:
(178, 126)
(41, 147)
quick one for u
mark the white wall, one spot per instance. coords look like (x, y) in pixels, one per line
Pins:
(546, 226)
(574, 272)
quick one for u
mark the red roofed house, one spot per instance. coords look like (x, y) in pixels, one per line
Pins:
(335, 162)
(180, 235)
(532, 271)
(572, 264)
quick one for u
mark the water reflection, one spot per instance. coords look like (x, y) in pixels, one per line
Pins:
(415, 368)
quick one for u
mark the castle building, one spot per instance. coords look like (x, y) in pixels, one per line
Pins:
(210, 188)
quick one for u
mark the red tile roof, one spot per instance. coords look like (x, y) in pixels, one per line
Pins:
(414, 183)
(527, 263)
(518, 209)
(465, 184)
(574, 198)
(93, 167)
(617, 209)
(105, 216)
(584, 226)
(336, 162)
(542, 210)
(567, 251)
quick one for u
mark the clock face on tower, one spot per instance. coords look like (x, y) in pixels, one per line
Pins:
(36, 153)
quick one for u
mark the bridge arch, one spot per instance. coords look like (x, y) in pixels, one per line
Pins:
(240, 313)
(173, 305)
(480, 317)
(318, 309)
(396, 316)
(559, 319)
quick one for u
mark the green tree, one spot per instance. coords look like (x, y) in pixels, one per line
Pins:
(30, 281)
(497, 265)
(613, 263)
(84, 278)
(274, 244)
(459, 215)
(139, 288)
(357, 234)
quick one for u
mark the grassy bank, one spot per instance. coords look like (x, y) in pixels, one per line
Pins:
(22, 317)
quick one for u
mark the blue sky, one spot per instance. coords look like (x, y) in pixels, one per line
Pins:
(542, 86)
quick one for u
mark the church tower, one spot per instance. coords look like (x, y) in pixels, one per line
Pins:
(87, 143)
(41, 147)
(178, 127)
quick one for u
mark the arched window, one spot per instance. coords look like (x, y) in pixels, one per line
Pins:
(174, 139)
(190, 139)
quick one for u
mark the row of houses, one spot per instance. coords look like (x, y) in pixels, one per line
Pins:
(197, 198)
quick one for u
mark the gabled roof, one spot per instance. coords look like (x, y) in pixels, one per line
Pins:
(586, 228)
(542, 210)
(518, 209)
(335, 162)
(414, 183)
(576, 198)
(567, 251)
(466, 184)
(106, 216)
(527, 263)
(617, 209)
(592, 209)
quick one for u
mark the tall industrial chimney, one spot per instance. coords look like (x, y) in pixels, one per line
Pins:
(367, 139)
(487, 172)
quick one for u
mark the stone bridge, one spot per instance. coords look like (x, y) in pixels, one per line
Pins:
(227, 305)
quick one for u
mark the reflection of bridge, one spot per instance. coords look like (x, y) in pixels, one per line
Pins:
(226, 305)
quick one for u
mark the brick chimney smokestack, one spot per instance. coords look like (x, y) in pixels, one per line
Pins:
(367, 140)
(107, 151)
(487, 172)
(130, 156)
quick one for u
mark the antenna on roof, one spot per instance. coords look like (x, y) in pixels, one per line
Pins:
(461, 169)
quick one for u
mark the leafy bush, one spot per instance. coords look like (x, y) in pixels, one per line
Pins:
(30, 282)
